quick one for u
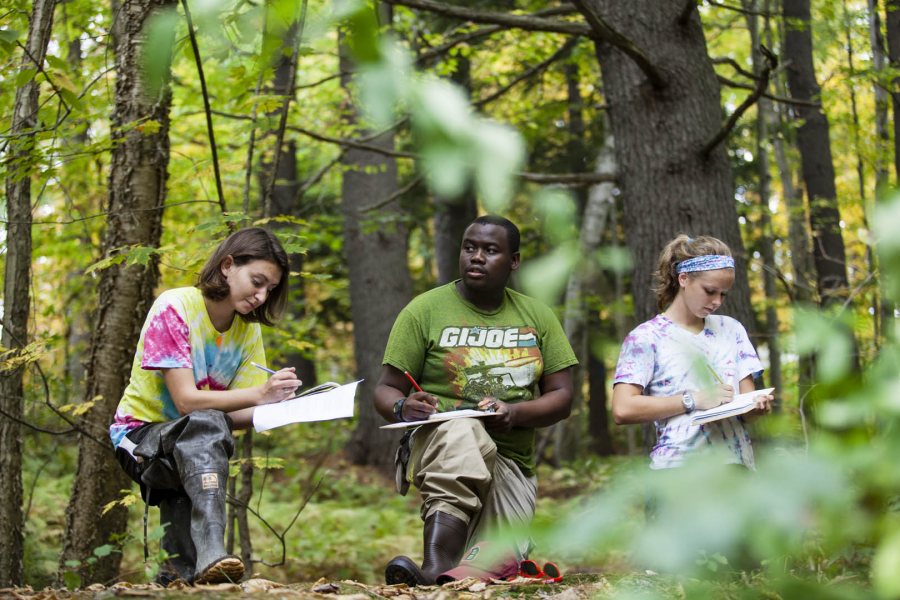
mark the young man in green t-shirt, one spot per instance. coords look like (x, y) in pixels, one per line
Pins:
(474, 343)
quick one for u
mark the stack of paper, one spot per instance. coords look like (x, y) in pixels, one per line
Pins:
(742, 403)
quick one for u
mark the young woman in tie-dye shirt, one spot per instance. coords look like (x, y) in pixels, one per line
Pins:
(668, 366)
(192, 382)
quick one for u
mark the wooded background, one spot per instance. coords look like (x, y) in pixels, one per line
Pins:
(141, 132)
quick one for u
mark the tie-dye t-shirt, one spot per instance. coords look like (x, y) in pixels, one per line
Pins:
(179, 334)
(462, 354)
(666, 360)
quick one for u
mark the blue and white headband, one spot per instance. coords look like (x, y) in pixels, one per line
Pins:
(708, 262)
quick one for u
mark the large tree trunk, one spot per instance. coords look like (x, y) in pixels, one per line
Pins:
(375, 244)
(661, 130)
(137, 191)
(815, 152)
(16, 297)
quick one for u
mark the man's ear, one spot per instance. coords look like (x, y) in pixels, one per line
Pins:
(514, 264)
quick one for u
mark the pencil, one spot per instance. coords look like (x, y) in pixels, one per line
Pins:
(716, 375)
(266, 369)
(412, 381)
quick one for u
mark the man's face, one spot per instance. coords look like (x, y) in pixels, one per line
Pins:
(485, 259)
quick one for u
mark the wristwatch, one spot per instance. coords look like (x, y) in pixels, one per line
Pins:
(687, 401)
(398, 408)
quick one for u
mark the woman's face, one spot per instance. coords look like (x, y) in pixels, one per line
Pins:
(250, 284)
(704, 292)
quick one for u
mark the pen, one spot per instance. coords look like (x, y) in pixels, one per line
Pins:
(266, 369)
(716, 375)
(413, 381)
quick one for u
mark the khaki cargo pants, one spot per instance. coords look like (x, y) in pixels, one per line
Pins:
(456, 468)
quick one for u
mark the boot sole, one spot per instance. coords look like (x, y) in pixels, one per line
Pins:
(403, 570)
(229, 569)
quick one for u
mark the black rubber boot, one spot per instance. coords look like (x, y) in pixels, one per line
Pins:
(175, 513)
(214, 565)
(444, 539)
(203, 446)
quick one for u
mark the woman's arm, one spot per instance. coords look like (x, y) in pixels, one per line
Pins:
(630, 405)
(187, 398)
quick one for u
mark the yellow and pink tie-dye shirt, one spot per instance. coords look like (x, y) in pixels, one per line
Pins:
(179, 334)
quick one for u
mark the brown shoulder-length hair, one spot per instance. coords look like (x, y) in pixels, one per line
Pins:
(681, 248)
(244, 246)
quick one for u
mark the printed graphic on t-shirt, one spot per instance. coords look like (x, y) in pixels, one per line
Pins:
(497, 362)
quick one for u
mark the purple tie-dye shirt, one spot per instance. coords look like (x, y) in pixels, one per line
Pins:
(179, 334)
(665, 360)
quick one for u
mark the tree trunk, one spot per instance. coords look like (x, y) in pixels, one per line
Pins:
(581, 286)
(892, 30)
(668, 185)
(766, 237)
(16, 293)
(375, 244)
(815, 152)
(137, 191)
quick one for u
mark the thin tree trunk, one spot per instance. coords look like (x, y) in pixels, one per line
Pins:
(815, 152)
(798, 233)
(766, 239)
(136, 195)
(375, 245)
(16, 296)
(581, 286)
(892, 31)
(892, 28)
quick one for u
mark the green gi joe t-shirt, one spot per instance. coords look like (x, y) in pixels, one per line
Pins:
(461, 354)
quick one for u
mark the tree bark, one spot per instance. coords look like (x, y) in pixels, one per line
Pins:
(772, 333)
(375, 245)
(581, 286)
(16, 294)
(137, 191)
(815, 152)
(892, 33)
(668, 187)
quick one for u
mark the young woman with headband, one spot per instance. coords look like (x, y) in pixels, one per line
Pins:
(687, 358)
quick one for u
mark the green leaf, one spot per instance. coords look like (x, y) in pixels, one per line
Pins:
(886, 567)
(501, 152)
(104, 263)
(24, 76)
(545, 278)
(104, 550)
(557, 209)
(158, 49)
(9, 36)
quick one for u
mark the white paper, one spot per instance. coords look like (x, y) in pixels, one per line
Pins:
(742, 403)
(323, 406)
(440, 416)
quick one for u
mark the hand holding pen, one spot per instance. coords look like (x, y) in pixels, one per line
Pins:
(419, 405)
(282, 384)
